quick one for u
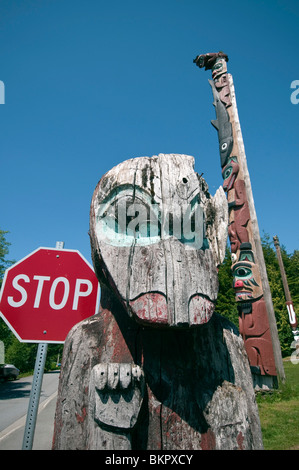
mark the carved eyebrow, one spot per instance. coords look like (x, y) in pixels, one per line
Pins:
(133, 191)
(128, 190)
(238, 265)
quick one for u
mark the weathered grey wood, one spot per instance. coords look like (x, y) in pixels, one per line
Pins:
(156, 368)
(115, 397)
(217, 232)
(168, 181)
(198, 387)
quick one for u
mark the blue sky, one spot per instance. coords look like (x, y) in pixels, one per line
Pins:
(89, 84)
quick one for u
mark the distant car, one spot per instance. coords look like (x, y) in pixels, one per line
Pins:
(9, 371)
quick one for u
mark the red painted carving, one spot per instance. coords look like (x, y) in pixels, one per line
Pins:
(254, 327)
(230, 173)
(240, 440)
(222, 87)
(151, 308)
(239, 210)
(208, 441)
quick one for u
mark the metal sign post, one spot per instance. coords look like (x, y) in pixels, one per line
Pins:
(35, 396)
(36, 388)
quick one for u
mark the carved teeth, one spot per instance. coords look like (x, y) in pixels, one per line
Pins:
(101, 374)
(113, 376)
(137, 373)
(116, 376)
(125, 375)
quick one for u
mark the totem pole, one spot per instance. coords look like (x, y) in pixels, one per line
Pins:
(289, 302)
(257, 322)
(156, 368)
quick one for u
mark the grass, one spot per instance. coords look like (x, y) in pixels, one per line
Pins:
(279, 412)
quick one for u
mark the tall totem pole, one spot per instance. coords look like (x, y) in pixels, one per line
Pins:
(257, 322)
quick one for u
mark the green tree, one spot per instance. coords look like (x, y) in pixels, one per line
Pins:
(226, 304)
(4, 250)
(277, 293)
(22, 355)
(5, 334)
(291, 265)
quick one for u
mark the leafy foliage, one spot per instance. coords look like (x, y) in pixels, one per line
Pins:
(4, 249)
(226, 304)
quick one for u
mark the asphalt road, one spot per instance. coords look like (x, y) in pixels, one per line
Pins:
(14, 400)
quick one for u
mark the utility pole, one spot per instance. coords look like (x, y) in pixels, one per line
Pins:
(257, 321)
(289, 302)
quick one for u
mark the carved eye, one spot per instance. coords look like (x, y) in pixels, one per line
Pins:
(127, 220)
(201, 61)
(227, 172)
(223, 147)
(193, 226)
(243, 273)
(124, 222)
(140, 228)
(217, 66)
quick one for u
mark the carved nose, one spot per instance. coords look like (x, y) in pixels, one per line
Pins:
(238, 284)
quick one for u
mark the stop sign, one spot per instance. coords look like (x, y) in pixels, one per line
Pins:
(46, 293)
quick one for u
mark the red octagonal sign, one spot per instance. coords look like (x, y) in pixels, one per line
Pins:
(46, 293)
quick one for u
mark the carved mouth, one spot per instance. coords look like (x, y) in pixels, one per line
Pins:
(150, 308)
(200, 309)
(153, 309)
(242, 288)
(241, 294)
(227, 188)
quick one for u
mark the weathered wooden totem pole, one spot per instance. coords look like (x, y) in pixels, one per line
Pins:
(249, 273)
(156, 368)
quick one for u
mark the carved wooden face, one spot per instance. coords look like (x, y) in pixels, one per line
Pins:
(219, 68)
(246, 281)
(229, 173)
(149, 240)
